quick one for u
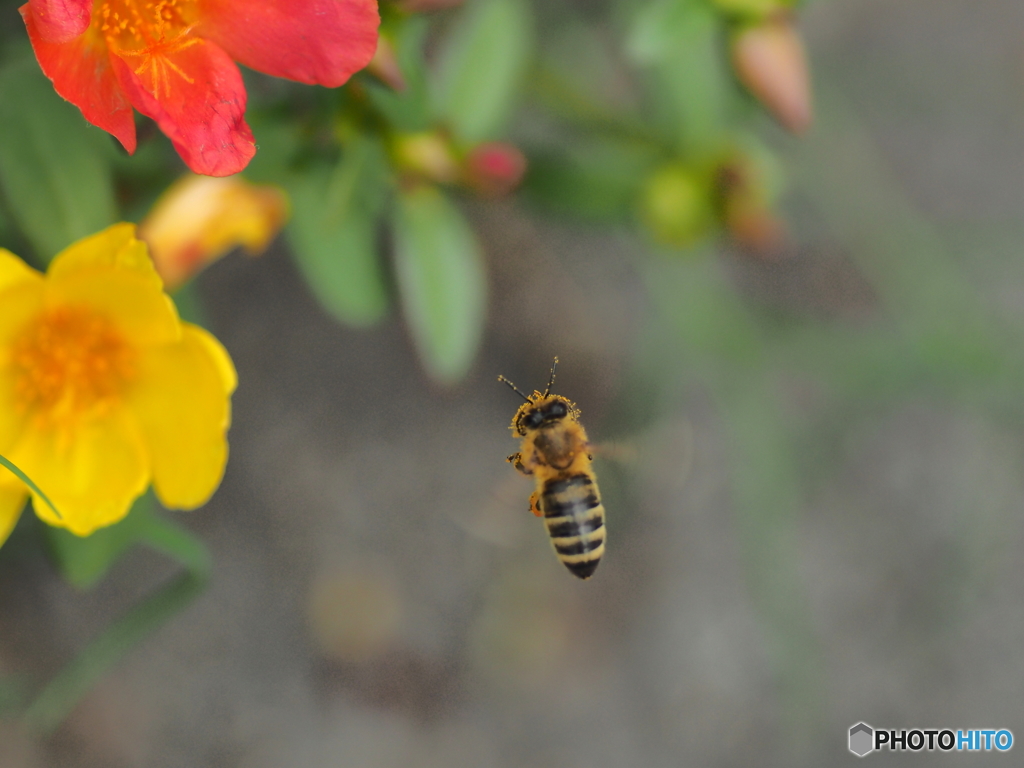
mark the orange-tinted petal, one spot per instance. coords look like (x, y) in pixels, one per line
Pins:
(92, 474)
(59, 21)
(12, 501)
(185, 433)
(198, 219)
(81, 73)
(318, 42)
(195, 93)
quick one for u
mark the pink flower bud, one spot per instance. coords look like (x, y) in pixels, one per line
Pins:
(495, 168)
(770, 61)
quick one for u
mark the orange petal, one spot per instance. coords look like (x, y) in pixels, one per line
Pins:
(195, 93)
(318, 42)
(81, 73)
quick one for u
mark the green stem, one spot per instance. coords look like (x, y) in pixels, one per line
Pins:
(61, 695)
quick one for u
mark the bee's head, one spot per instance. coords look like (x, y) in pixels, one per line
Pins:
(540, 411)
(540, 408)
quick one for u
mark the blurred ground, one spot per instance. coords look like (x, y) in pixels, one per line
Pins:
(381, 596)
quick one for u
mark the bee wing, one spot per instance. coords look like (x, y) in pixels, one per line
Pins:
(620, 451)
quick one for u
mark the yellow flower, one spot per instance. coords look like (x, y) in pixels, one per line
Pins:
(103, 389)
(200, 218)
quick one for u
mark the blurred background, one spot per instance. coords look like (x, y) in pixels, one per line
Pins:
(811, 441)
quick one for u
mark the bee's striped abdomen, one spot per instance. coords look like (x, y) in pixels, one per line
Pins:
(575, 520)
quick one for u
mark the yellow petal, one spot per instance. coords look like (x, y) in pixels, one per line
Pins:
(144, 314)
(12, 418)
(92, 472)
(12, 501)
(200, 218)
(114, 247)
(181, 402)
(217, 353)
(13, 270)
(112, 273)
(19, 303)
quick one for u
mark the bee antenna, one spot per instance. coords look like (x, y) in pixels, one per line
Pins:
(514, 388)
(552, 379)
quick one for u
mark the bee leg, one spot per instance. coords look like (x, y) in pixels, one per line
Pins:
(534, 506)
(516, 460)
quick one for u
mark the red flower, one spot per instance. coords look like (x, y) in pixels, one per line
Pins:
(173, 60)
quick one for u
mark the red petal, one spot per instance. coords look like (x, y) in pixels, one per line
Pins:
(81, 73)
(196, 95)
(59, 21)
(318, 42)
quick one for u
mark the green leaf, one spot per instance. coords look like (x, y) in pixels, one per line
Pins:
(652, 35)
(407, 110)
(190, 305)
(333, 232)
(277, 143)
(482, 67)
(83, 560)
(592, 178)
(441, 281)
(680, 42)
(54, 167)
(754, 10)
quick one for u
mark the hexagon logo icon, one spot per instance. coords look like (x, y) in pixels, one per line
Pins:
(862, 739)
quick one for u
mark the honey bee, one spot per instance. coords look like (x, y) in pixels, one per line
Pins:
(556, 453)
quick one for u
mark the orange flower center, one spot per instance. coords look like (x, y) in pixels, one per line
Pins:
(146, 33)
(70, 362)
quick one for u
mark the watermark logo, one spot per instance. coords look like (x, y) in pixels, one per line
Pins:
(863, 739)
